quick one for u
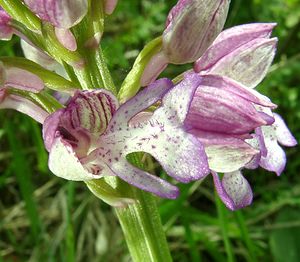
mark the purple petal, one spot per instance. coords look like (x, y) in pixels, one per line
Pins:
(156, 65)
(249, 63)
(141, 101)
(189, 161)
(234, 190)
(225, 154)
(23, 80)
(205, 20)
(275, 158)
(92, 110)
(6, 31)
(159, 134)
(237, 88)
(50, 128)
(144, 180)
(254, 142)
(229, 40)
(60, 13)
(218, 110)
(66, 38)
(283, 134)
(24, 106)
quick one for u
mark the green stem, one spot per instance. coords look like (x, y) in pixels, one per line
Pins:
(143, 230)
(141, 223)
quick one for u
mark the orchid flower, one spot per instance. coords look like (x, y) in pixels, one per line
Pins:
(222, 124)
(234, 189)
(237, 61)
(91, 137)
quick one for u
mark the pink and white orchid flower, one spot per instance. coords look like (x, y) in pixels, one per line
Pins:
(91, 137)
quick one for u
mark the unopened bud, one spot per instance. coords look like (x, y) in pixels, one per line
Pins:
(192, 26)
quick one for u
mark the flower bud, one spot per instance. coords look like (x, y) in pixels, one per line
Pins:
(60, 13)
(192, 25)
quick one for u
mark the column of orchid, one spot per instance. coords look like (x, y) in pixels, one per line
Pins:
(208, 120)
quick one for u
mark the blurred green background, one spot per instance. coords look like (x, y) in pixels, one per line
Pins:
(44, 218)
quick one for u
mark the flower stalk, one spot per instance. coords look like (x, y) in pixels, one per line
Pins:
(143, 230)
(141, 225)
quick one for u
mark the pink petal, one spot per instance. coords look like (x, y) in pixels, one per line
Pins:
(160, 135)
(217, 110)
(23, 80)
(275, 159)
(139, 102)
(283, 134)
(66, 38)
(231, 39)
(60, 13)
(24, 106)
(156, 65)
(63, 162)
(6, 31)
(144, 180)
(234, 190)
(237, 88)
(205, 19)
(249, 63)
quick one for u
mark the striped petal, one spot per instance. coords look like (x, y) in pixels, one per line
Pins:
(231, 39)
(219, 110)
(249, 63)
(205, 19)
